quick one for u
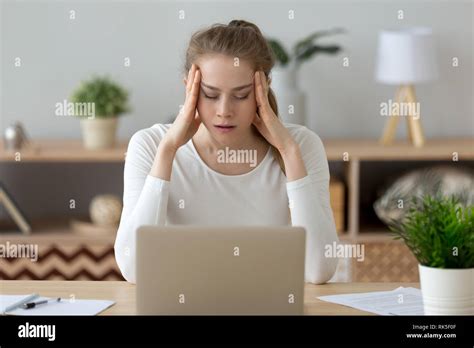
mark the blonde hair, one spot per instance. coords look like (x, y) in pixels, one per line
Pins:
(240, 39)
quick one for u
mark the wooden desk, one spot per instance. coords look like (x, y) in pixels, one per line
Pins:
(123, 293)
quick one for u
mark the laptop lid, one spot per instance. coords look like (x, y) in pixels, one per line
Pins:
(220, 270)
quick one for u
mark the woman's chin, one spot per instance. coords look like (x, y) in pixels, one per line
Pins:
(226, 139)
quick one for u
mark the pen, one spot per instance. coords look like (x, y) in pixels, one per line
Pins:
(20, 303)
(34, 304)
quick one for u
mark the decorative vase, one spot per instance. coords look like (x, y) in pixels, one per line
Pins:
(99, 133)
(105, 210)
(447, 291)
(290, 99)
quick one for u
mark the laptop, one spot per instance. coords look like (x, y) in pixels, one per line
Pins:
(191, 270)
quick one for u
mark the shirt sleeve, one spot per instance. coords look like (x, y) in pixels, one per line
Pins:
(145, 200)
(310, 208)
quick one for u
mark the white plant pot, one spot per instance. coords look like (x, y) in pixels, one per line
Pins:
(447, 291)
(290, 99)
(99, 133)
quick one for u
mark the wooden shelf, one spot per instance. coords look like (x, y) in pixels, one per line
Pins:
(56, 229)
(63, 150)
(371, 149)
(72, 150)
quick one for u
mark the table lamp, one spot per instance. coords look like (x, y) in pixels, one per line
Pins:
(405, 57)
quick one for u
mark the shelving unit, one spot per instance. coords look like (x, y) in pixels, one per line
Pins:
(354, 153)
(64, 254)
(350, 153)
(386, 260)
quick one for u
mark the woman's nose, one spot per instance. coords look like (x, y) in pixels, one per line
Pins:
(224, 109)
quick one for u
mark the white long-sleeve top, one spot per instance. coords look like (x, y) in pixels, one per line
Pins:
(198, 195)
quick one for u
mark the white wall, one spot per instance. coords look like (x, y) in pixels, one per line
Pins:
(57, 53)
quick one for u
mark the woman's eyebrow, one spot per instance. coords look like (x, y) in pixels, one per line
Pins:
(234, 89)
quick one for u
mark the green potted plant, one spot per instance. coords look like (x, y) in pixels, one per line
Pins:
(291, 100)
(109, 100)
(439, 231)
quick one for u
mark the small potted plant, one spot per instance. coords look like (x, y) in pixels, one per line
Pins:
(284, 76)
(109, 101)
(439, 231)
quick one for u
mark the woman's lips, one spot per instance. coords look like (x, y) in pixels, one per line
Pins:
(224, 128)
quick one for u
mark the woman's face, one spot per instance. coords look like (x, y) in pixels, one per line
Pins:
(226, 103)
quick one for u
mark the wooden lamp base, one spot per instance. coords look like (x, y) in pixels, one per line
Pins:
(405, 95)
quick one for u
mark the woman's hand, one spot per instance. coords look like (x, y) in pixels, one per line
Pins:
(273, 130)
(187, 122)
(181, 131)
(267, 123)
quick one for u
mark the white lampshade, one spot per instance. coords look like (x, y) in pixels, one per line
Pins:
(406, 56)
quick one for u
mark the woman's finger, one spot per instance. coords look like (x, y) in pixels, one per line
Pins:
(259, 89)
(264, 82)
(189, 82)
(262, 97)
(192, 97)
(195, 87)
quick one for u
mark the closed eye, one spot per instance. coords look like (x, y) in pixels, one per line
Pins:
(242, 98)
(215, 97)
(209, 97)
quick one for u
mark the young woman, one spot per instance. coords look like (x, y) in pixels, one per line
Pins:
(184, 173)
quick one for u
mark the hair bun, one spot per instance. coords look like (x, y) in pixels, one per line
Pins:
(242, 23)
(237, 23)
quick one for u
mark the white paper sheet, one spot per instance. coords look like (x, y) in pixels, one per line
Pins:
(400, 301)
(64, 307)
